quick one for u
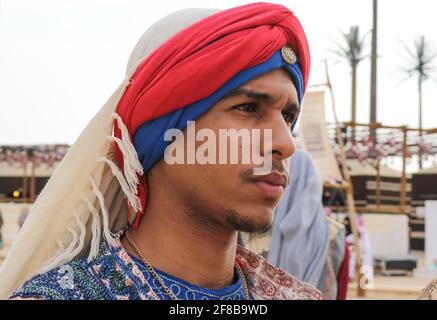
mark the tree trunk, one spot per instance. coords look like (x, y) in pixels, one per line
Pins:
(373, 80)
(354, 101)
(420, 122)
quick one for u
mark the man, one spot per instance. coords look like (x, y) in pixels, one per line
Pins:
(175, 224)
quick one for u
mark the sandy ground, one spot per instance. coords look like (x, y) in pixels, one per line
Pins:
(391, 288)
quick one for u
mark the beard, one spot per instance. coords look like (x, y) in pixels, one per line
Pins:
(207, 213)
(233, 221)
(247, 224)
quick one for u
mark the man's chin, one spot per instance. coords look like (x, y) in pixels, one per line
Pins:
(255, 223)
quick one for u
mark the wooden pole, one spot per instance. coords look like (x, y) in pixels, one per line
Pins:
(354, 101)
(420, 123)
(349, 192)
(353, 128)
(403, 206)
(378, 185)
(24, 184)
(33, 181)
(374, 68)
(404, 172)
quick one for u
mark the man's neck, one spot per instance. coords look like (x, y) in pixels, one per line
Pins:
(174, 244)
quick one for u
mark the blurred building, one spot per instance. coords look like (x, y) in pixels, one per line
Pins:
(24, 170)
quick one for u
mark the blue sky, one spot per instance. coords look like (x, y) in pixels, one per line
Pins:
(61, 60)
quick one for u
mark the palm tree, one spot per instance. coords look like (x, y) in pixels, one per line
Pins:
(419, 64)
(374, 73)
(352, 51)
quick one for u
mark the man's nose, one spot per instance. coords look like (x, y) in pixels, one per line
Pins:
(283, 144)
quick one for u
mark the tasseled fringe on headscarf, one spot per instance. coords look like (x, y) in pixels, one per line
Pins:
(128, 180)
(129, 172)
(82, 233)
(133, 200)
(95, 230)
(132, 155)
(106, 232)
(66, 254)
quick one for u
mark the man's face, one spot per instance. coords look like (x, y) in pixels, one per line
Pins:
(231, 196)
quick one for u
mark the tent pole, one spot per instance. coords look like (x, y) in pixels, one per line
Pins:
(404, 171)
(349, 194)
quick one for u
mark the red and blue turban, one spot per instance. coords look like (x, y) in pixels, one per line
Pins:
(195, 68)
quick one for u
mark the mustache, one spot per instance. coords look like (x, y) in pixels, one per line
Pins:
(279, 166)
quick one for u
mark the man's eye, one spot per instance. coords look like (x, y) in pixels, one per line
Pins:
(289, 116)
(247, 107)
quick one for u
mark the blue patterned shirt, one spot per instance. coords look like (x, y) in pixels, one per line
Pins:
(110, 276)
(114, 274)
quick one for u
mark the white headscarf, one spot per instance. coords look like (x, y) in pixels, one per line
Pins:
(85, 197)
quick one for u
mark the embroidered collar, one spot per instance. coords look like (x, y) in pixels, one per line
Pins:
(265, 282)
(187, 291)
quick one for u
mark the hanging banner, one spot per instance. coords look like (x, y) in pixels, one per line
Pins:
(313, 136)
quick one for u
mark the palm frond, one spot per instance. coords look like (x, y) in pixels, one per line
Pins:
(402, 80)
(420, 59)
(352, 48)
(408, 50)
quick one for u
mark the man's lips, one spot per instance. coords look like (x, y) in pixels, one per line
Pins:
(272, 184)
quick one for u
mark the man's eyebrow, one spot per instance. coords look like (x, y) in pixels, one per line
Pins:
(257, 95)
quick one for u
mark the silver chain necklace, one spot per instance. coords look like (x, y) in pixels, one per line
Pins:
(161, 282)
